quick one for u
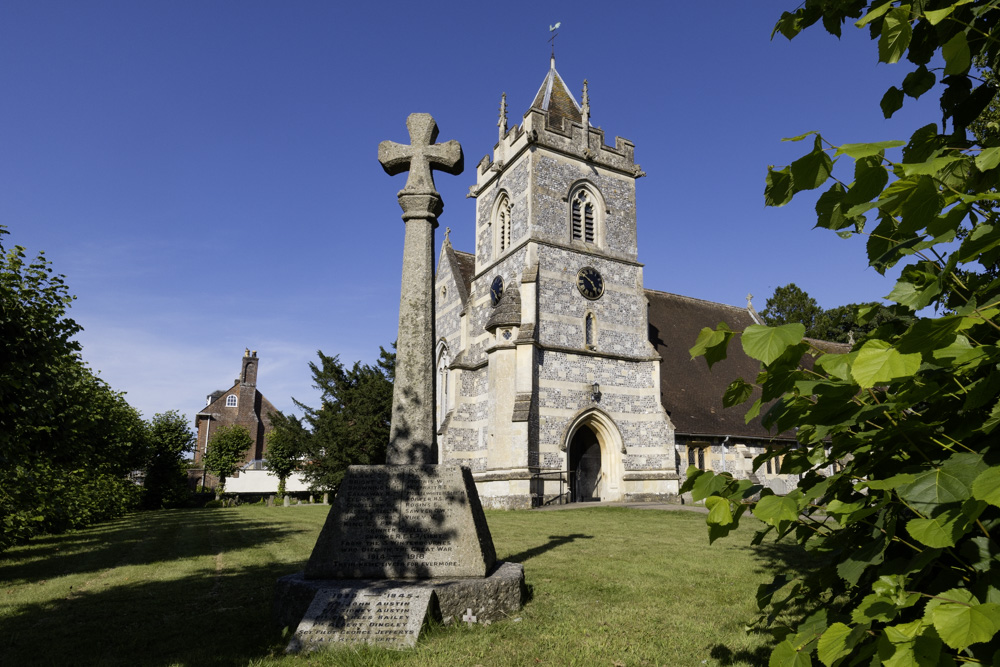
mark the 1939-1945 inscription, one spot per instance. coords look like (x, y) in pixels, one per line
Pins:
(387, 616)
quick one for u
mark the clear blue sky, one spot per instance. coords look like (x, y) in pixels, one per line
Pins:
(204, 172)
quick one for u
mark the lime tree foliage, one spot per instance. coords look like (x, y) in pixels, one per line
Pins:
(284, 448)
(351, 425)
(69, 444)
(169, 440)
(907, 518)
(227, 449)
(790, 304)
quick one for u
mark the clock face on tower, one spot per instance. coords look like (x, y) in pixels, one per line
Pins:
(590, 283)
(496, 290)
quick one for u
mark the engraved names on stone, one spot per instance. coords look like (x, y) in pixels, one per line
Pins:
(404, 522)
(385, 616)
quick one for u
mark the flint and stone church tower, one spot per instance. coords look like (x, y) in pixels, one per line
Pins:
(548, 386)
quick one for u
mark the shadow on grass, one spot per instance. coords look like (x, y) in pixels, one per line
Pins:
(773, 559)
(138, 539)
(207, 618)
(554, 541)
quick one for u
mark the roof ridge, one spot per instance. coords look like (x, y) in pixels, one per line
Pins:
(693, 298)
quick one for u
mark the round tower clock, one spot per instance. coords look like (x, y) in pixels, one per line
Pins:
(496, 290)
(590, 283)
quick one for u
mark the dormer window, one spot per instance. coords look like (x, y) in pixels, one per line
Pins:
(583, 216)
(231, 401)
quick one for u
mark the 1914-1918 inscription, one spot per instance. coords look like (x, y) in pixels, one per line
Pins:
(411, 522)
(385, 616)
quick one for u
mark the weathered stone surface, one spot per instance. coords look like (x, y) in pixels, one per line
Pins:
(365, 613)
(491, 598)
(404, 522)
(412, 434)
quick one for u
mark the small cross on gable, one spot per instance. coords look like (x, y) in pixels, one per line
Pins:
(421, 155)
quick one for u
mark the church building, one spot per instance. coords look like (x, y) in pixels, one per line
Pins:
(560, 376)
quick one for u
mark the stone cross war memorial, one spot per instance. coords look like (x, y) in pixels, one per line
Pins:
(405, 542)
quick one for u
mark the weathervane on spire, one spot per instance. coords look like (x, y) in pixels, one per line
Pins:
(552, 39)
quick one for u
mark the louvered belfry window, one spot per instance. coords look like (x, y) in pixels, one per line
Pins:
(503, 223)
(583, 218)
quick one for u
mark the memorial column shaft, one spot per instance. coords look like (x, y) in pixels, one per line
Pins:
(412, 436)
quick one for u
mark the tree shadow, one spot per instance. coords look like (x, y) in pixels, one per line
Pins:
(774, 559)
(208, 618)
(138, 539)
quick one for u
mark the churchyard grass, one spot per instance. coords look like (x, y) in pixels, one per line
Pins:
(609, 586)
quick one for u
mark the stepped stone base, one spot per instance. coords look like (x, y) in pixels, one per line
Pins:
(492, 598)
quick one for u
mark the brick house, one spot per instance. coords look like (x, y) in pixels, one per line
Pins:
(243, 405)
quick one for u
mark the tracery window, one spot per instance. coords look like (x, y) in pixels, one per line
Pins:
(442, 382)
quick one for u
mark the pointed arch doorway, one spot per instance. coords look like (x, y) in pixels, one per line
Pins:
(585, 474)
(593, 460)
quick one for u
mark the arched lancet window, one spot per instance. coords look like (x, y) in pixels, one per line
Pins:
(442, 382)
(589, 330)
(231, 401)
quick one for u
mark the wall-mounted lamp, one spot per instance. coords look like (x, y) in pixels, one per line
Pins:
(596, 391)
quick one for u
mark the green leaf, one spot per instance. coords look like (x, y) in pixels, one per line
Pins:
(983, 238)
(774, 510)
(877, 363)
(753, 412)
(936, 532)
(802, 136)
(766, 343)
(707, 485)
(718, 510)
(929, 167)
(988, 158)
(836, 642)
(859, 151)
(927, 334)
(738, 391)
(918, 82)
(987, 486)
(938, 486)
(896, 34)
(915, 288)
(811, 170)
(870, 178)
(778, 187)
(960, 620)
(837, 365)
(891, 102)
(873, 14)
(921, 207)
(935, 16)
(957, 57)
(786, 654)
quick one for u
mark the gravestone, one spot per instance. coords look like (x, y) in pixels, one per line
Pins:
(410, 527)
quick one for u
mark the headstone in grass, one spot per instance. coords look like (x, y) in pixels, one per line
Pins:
(380, 614)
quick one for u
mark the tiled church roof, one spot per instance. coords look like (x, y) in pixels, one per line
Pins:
(692, 393)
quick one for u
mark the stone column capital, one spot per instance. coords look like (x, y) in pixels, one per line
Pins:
(421, 205)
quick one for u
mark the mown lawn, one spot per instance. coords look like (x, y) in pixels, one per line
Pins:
(193, 587)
